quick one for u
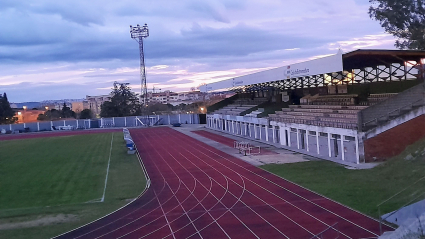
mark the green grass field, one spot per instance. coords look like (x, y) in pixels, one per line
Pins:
(362, 190)
(46, 184)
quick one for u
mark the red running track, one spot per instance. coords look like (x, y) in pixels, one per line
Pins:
(198, 191)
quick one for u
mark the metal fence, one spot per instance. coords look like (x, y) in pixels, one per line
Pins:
(130, 121)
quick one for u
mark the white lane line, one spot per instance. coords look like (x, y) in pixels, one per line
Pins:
(276, 185)
(345, 206)
(166, 219)
(270, 193)
(107, 170)
(239, 199)
(139, 218)
(199, 201)
(212, 159)
(208, 190)
(150, 155)
(191, 191)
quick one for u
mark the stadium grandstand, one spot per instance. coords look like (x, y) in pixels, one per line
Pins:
(356, 107)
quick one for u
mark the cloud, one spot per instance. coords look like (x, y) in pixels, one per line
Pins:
(84, 46)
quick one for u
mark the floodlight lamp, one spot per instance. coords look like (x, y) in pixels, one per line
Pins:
(138, 32)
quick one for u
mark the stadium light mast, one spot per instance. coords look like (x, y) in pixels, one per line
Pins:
(138, 33)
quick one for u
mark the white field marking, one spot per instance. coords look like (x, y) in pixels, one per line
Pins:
(152, 210)
(140, 195)
(141, 164)
(138, 218)
(307, 190)
(244, 189)
(280, 187)
(107, 170)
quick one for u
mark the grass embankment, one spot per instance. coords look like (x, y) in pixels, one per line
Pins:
(363, 190)
(46, 184)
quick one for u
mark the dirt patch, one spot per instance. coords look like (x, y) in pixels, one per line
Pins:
(42, 221)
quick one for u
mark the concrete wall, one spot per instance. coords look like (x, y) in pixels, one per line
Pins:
(393, 141)
(297, 137)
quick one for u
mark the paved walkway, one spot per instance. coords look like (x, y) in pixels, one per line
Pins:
(283, 155)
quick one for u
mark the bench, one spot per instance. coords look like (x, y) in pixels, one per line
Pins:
(68, 127)
(129, 143)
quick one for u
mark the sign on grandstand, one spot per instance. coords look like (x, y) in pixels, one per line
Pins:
(318, 66)
(315, 67)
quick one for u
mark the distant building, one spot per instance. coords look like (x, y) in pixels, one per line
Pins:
(95, 102)
(168, 97)
(77, 107)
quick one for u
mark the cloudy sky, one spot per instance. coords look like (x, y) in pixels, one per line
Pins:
(53, 49)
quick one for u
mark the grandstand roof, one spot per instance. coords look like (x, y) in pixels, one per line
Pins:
(366, 58)
(331, 65)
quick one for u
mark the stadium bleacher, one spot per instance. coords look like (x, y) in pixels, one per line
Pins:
(339, 116)
(240, 106)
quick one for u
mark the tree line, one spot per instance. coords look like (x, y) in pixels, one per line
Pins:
(7, 114)
(64, 113)
(124, 102)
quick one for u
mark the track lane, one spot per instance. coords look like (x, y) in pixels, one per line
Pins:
(200, 192)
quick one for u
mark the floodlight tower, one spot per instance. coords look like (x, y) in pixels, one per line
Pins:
(138, 33)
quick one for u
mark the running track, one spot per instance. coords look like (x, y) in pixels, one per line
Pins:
(198, 191)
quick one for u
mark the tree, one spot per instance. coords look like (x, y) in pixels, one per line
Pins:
(7, 115)
(54, 114)
(123, 102)
(404, 19)
(86, 114)
(66, 112)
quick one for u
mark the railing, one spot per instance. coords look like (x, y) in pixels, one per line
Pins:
(382, 111)
(343, 125)
(408, 194)
(392, 114)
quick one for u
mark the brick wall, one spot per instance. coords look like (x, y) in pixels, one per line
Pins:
(392, 142)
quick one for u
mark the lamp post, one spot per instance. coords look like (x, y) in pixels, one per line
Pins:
(23, 115)
(138, 33)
